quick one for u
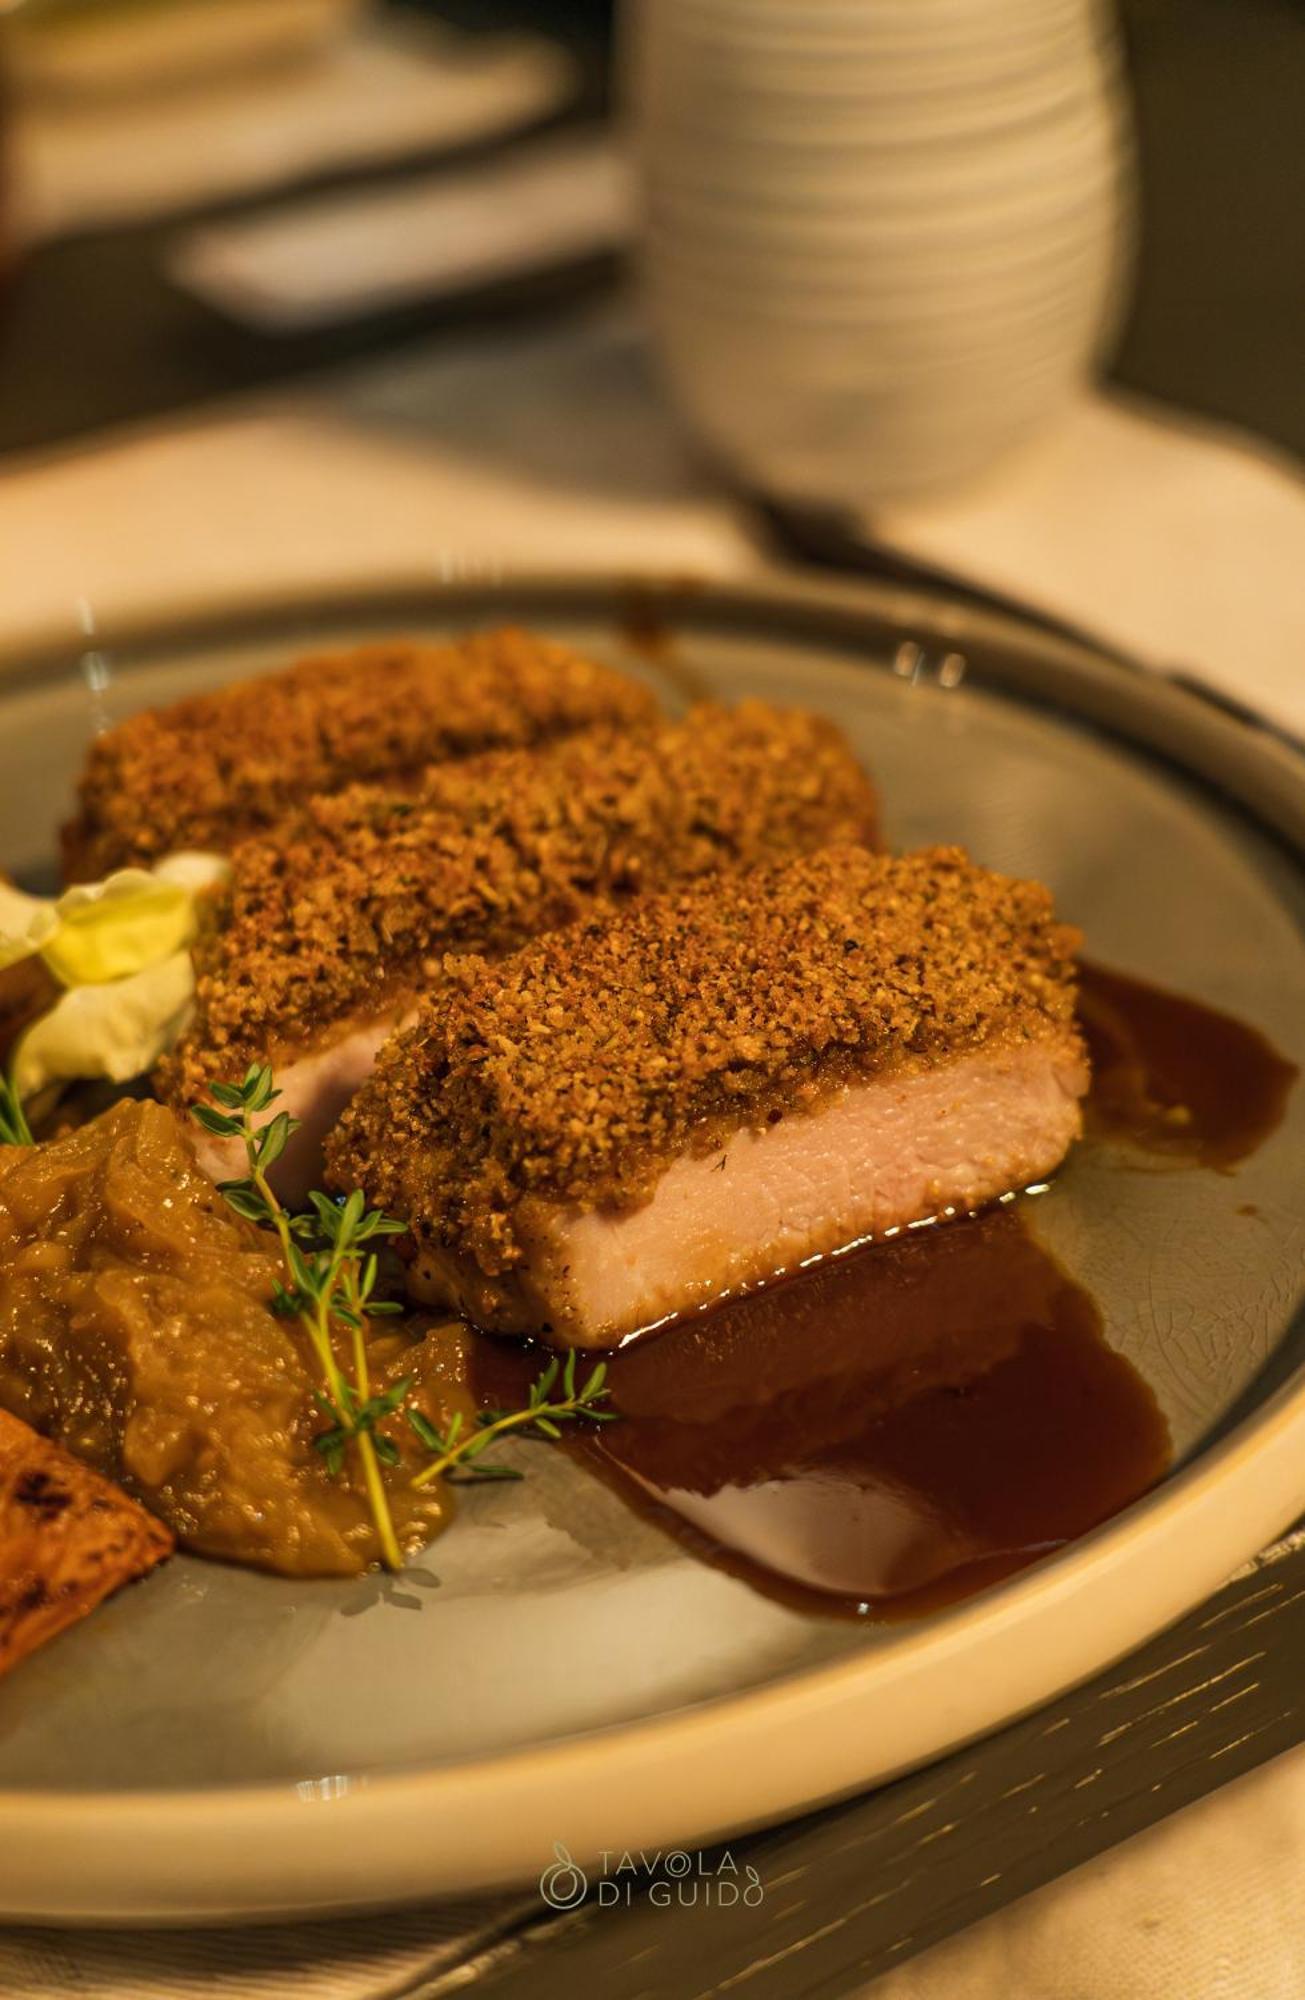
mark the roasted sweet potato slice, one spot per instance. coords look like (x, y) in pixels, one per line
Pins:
(68, 1539)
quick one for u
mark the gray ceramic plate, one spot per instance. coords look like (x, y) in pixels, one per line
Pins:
(215, 1743)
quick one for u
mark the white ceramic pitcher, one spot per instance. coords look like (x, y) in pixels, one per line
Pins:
(883, 240)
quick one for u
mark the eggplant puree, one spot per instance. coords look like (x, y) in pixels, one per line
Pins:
(135, 1330)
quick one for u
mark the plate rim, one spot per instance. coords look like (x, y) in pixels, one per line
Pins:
(1174, 713)
(200, 1854)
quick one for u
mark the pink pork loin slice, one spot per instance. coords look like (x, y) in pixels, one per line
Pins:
(315, 1088)
(336, 923)
(718, 1088)
(877, 1157)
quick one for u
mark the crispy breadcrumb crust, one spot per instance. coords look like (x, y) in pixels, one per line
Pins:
(219, 766)
(346, 911)
(576, 1070)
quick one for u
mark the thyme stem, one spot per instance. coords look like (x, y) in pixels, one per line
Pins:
(391, 1554)
(332, 1285)
(498, 1428)
(539, 1417)
(324, 1288)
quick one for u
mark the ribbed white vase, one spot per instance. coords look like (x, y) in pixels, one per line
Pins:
(883, 240)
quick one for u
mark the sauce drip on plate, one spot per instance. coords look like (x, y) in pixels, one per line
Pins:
(1180, 1080)
(896, 1428)
(889, 1431)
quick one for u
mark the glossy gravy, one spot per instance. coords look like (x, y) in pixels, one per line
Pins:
(899, 1427)
(1175, 1079)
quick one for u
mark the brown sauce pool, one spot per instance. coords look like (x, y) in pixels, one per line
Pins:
(897, 1428)
(887, 1432)
(1182, 1082)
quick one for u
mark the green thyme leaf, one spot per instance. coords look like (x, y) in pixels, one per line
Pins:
(216, 1122)
(327, 1213)
(377, 1224)
(245, 1200)
(331, 1445)
(258, 1088)
(274, 1138)
(393, 1398)
(425, 1430)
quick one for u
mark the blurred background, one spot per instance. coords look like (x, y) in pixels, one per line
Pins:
(1004, 293)
(130, 122)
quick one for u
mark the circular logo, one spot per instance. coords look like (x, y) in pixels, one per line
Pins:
(563, 1883)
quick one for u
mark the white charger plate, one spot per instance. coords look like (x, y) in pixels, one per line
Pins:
(220, 1745)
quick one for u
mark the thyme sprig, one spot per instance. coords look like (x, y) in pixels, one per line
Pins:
(332, 1276)
(330, 1289)
(14, 1128)
(458, 1449)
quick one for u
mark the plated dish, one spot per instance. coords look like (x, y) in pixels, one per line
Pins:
(658, 1090)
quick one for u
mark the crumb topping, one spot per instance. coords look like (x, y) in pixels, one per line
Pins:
(579, 1067)
(218, 766)
(347, 910)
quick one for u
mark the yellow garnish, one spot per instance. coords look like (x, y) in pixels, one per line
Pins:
(25, 924)
(121, 948)
(117, 928)
(116, 1030)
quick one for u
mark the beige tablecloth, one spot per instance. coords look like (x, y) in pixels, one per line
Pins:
(553, 449)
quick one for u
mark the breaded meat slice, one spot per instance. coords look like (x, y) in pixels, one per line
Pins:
(334, 928)
(628, 1120)
(217, 767)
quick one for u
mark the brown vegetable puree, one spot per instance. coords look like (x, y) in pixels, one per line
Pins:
(135, 1330)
